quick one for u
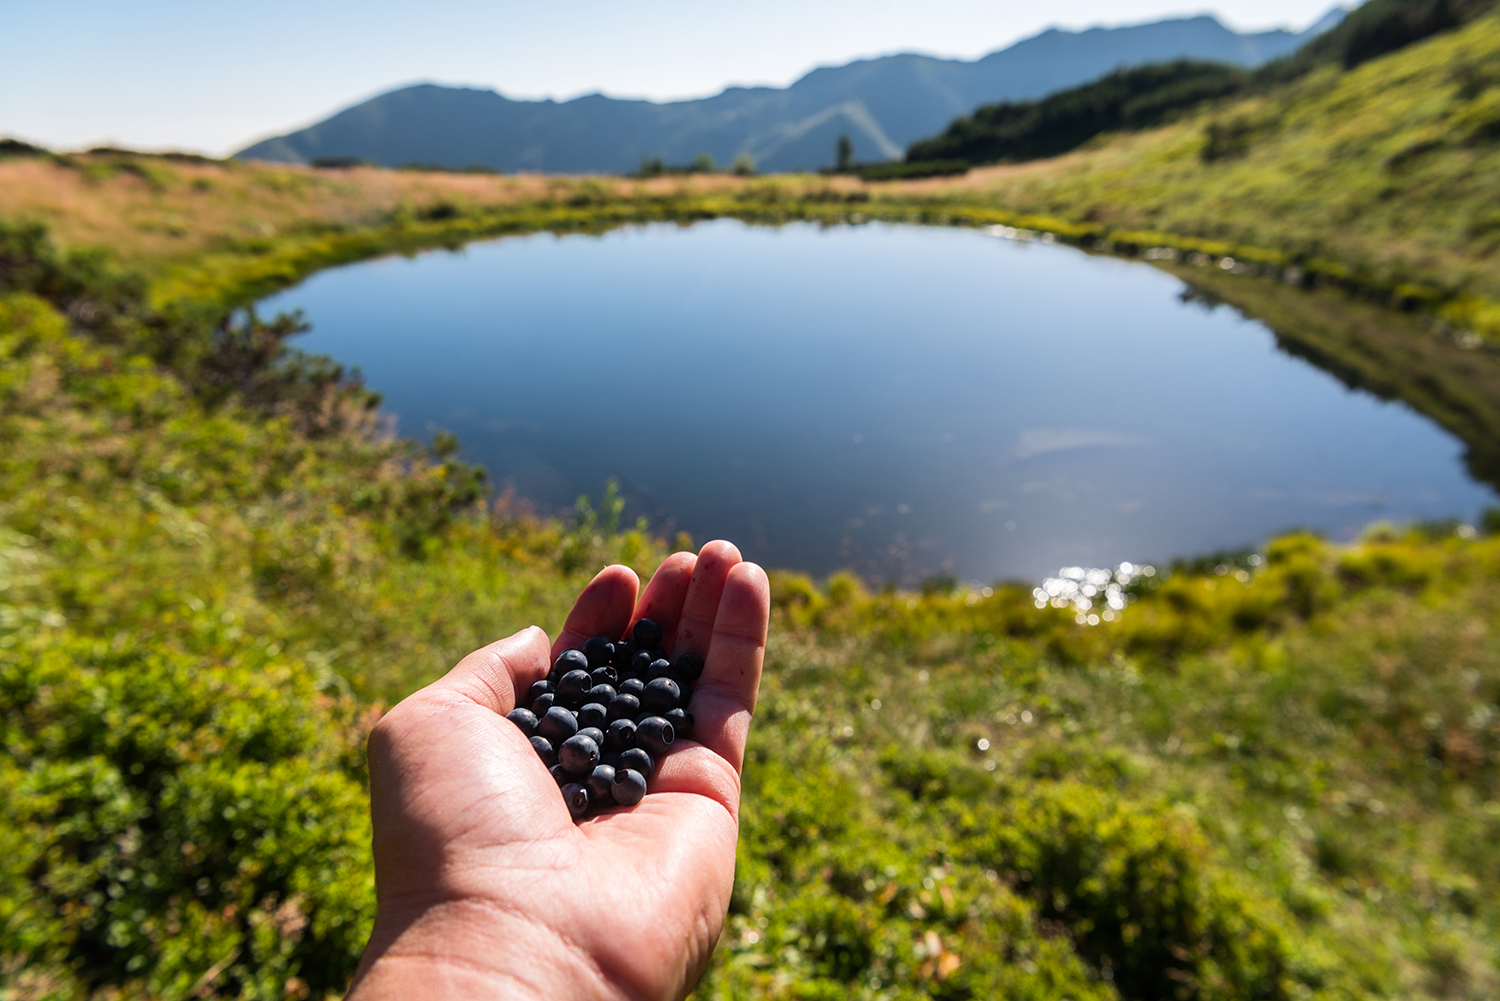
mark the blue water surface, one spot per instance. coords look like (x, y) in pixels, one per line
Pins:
(900, 400)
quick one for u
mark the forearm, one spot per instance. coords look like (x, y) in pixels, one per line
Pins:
(470, 949)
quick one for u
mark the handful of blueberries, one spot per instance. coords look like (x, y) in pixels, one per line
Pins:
(607, 714)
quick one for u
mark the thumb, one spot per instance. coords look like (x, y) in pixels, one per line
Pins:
(492, 676)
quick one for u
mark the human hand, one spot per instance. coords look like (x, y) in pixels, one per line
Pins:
(485, 885)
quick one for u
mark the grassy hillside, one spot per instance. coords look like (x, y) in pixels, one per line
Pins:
(1274, 775)
(1268, 778)
(1387, 174)
(1134, 99)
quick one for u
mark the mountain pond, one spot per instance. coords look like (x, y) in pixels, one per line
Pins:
(904, 401)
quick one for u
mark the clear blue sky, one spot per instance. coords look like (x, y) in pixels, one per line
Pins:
(211, 75)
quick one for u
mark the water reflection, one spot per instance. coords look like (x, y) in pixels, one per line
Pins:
(901, 400)
(1086, 588)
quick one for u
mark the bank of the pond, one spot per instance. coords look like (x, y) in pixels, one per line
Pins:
(1271, 778)
(231, 232)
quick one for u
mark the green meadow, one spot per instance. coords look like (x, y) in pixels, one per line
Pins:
(1274, 775)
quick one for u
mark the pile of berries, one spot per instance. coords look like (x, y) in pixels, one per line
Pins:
(607, 714)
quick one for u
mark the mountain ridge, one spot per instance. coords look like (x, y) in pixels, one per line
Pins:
(883, 103)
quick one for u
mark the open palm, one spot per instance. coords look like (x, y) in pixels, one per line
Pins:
(486, 886)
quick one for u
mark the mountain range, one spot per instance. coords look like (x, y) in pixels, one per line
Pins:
(882, 104)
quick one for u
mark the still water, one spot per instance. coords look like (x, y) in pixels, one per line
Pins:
(896, 399)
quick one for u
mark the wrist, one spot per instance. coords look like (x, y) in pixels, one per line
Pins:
(473, 948)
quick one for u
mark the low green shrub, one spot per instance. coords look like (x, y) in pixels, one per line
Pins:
(176, 825)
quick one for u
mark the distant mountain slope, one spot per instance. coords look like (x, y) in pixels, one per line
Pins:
(1138, 98)
(882, 104)
(1391, 170)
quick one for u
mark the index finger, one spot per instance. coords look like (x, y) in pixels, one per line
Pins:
(603, 609)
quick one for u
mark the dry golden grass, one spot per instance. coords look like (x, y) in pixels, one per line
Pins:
(156, 213)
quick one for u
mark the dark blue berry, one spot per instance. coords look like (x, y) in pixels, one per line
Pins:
(599, 650)
(578, 754)
(542, 703)
(647, 633)
(543, 748)
(624, 706)
(538, 689)
(658, 669)
(605, 676)
(620, 736)
(688, 668)
(593, 714)
(637, 760)
(624, 650)
(573, 688)
(655, 734)
(570, 660)
(560, 775)
(682, 722)
(557, 726)
(630, 786)
(632, 686)
(599, 781)
(523, 718)
(661, 695)
(577, 798)
(593, 733)
(640, 662)
(601, 694)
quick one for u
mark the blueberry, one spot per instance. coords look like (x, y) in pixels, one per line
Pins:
(624, 706)
(560, 775)
(593, 733)
(620, 736)
(578, 754)
(624, 650)
(632, 686)
(647, 633)
(523, 718)
(602, 694)
(659, 669)
(630, 786)
(593, 714)
(661, 694)
(599, 650)
(640, 662)
(573, 687)
(682, 722)
(636, 760)
(688, 668)
(577, 798)
(605, 675)
(655, 734)
(570, 660)
(599, 781)
(558, 725)
(538, 689)
(542, 703)
(543, 748)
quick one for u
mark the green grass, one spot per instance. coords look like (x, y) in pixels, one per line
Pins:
(1278, 781)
